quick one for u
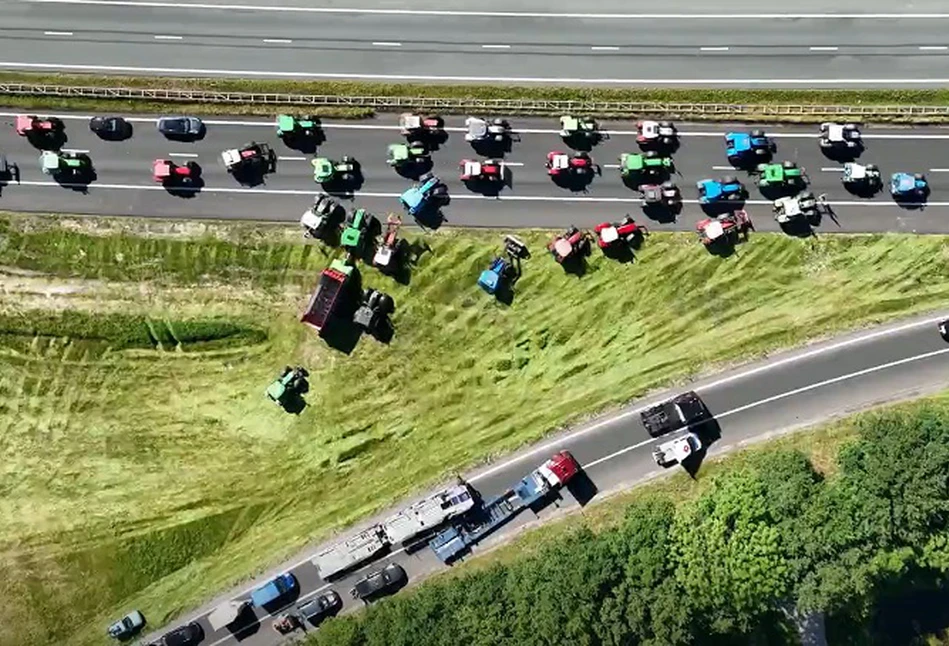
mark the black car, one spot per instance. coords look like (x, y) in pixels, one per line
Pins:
(110, 127)
(323, 606)
(681, 411)
(181, 127)
(379, 582)
(187, 635)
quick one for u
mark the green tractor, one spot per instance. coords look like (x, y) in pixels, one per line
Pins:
(649, 164)
(292, 127)
(786, 175)
(288, 386)
(326, 170)
(65, 162)
(402, 155)
(359, 226)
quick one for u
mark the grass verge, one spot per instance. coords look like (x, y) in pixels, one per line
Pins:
(763, 97)
(156, 480)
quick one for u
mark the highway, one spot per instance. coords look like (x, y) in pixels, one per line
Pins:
(734, 44)
(124, 186)
(784, 392)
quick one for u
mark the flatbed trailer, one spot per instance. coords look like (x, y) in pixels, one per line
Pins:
(457, 539)
(427, 514)
(331, 287)
(349, 553)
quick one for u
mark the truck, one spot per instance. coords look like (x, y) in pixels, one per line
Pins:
(454, 541)
(274, 589)
(332, 285)
(349, 553)
(679, 412)
(426, 515)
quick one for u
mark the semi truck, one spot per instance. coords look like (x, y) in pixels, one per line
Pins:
(454, 541)
(347, 554)
(331, 288)
(426, 515)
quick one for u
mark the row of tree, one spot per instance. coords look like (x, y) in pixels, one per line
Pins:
(769, 541)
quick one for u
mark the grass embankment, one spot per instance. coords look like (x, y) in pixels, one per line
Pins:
(153, 479)
(763, 97)
(848, 520)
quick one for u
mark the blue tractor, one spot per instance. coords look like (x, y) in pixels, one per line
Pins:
(503, 272)
(908, 186)
(746, 149)
(428, 195)
(727, 189)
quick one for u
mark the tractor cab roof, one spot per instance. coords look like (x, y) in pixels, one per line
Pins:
(398, 152)
(286, 122)
(563, 247)
(632, 161)
(50, 160)
(713, 230)
(409, 121)
(903, 182)
(789, 206)
(609, 234)
(739, 141)
(161, 168)
(569, 123)
(835, 132)
(853, 170)
(477, 128)
(559, 161)
(713, 188)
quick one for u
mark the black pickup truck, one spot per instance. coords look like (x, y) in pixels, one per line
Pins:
(681, 411)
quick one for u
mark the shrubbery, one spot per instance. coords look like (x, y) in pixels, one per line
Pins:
(723, 569)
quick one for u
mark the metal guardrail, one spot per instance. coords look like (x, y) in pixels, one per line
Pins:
(497, 106)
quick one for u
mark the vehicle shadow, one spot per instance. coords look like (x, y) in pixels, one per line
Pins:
(416, 169)
(48, 141)
(582, 488)
(126, 133)
(492, 148)
(709, 432)
(77, 182)
(303, 144)
(661, 213)
(246, 625)
(843, 155)
(186, 191)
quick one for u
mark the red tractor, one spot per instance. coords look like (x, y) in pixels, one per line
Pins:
(725, 229)
(571, 244)
(578, 164)
(488, 170)
(28, 125)
(386, 256)
(611, 235)
(167, 172)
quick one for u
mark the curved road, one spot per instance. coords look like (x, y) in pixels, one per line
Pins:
(124, 185)
(616, 44)
(790, 390)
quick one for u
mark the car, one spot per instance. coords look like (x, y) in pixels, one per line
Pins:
(681, 411)
(579, 163)
(478, 129)
(165, 171)
(30, 125)
(666, 194)
(859, 176)
(488, 170)
(677, 450)
(430, 192)
(401, 155)
(645, 165)
(65, 162)
(181, 127)
(904, 186)
(726, 189)
(656, 134)
(415, 125)
(725, 229)
(291, 126)
(743, 148)
(127, 626)
(250, 156)
(799, 207)
(609, 235)
(573, 128)
(320, 607)
(188, 635)
(836, 135)
(379, 582)
(786, 175)
(326, 170)
(110, 127)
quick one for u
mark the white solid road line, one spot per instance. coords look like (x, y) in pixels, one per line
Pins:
(465, 196)
(832, 169)
(495, 47)
(713, 49)
(57, 33)
(908, 134)
(584, 80)
(939, 170)
(823, 49)
(385, 43)
(933, 48)
(284, 41)
(191, 155)
(168, 37)
(292, 158)
(604, 48)
(508, 14)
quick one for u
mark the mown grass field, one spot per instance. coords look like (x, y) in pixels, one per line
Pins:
(155, 475)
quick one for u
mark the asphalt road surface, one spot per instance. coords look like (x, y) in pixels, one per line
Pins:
(124, 185)
(683, 43)
(790, 390)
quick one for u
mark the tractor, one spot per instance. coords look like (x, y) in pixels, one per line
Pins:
(611, 236)
(358, 230)
(570, 245)
(503, 272)
(373, 311)
(387, 255)
(724, 230)
(288, 386)
(291, 127)
(786, 176)
(326, 171)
